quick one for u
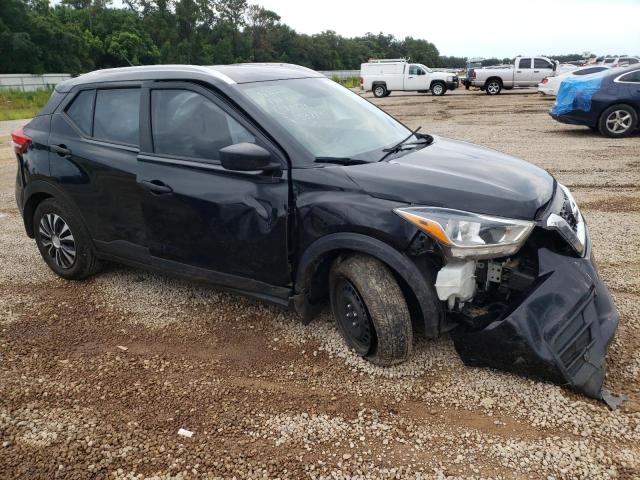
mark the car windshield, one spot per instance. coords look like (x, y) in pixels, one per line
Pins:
(326, 118)
(427, 69)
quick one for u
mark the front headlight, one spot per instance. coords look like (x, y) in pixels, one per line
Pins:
(469, 235)
(450, 78)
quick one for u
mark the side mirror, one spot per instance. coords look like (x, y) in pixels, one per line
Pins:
(555, 65)
(245, 157)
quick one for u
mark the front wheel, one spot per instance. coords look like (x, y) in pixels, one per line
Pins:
(370, 310)
(618, 121)
(438, 89)
(379, 91)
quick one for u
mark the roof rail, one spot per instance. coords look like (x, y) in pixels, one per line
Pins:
(388, 60)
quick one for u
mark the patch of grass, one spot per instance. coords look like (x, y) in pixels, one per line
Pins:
(15, 105)
(349, 82)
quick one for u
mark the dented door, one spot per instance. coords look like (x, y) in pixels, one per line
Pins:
(198, 213)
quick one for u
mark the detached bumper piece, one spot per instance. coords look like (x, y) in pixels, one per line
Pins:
(560, 332)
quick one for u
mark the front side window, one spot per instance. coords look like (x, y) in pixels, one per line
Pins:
(633, 77)
(541, 63)
(81, 110)
(413, 70)
(117, 114)
(327, 119)
(524, 63)
(187, 124)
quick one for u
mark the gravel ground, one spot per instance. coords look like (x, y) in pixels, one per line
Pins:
(96, 378)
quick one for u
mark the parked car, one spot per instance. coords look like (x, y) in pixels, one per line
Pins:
(618, 61)
(608, 102)
(525, 72)
(385, 76)
(550, 85)
(276, 182)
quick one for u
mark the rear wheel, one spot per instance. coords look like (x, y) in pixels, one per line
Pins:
(493, 87)
(370, 310)
(63, 241)
(379, 91)
(438, 89)
(618, 121)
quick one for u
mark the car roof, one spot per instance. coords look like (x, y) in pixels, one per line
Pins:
(228, 74)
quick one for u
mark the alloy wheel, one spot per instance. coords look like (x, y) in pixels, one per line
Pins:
(493, 88)
(437, 89)
(379, 91)
(353, 318)
(619, 121)
(57, 240)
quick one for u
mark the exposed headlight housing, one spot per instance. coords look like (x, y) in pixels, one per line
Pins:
(469, 235)
(568, 220)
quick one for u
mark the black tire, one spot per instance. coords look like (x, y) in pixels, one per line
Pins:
(388, 93)
(67, 251)
(618, 121)
(382, 333)
(438, 89)
(379, 91)
(493, 86)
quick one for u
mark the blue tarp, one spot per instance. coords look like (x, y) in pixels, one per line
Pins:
(576, 91)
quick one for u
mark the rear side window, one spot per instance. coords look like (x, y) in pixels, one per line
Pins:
(541, 63)
(81, 110)
(186, 124)
(117, 115)
(633, 77)
(524, 63)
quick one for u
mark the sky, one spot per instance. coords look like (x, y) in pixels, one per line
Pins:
(476, 28)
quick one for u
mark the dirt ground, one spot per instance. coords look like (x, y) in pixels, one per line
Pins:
(96, 378)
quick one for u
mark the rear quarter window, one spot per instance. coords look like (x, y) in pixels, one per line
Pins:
(117, 115)
(81, 110)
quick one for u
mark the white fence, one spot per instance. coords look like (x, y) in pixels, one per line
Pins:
(29, 83)
(341, 73)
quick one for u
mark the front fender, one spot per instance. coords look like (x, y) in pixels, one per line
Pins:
(321, 253)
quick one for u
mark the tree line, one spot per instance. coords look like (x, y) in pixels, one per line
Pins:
(77, 36)
(80, 35)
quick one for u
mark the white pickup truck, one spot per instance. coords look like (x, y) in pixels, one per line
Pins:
(525, 72)
(385, 76)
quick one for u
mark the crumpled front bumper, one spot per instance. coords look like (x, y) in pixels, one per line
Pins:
(560, 332)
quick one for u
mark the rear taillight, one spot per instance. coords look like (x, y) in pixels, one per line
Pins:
(20, 140)
(361, 80)
(545, 80)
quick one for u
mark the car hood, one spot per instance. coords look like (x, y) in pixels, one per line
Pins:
(454, 174)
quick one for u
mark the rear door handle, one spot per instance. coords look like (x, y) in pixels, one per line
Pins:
(156, 186)
(61, 150)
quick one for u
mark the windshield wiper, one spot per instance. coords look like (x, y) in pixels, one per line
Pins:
(398, 146)
(340, 160)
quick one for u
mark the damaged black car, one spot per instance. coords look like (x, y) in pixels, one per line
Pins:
(275, 182)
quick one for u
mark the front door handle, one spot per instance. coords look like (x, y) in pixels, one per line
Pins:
(536, 71)
(61, 150)
(156, 186)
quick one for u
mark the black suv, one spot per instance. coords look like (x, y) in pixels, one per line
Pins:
(276, 182)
